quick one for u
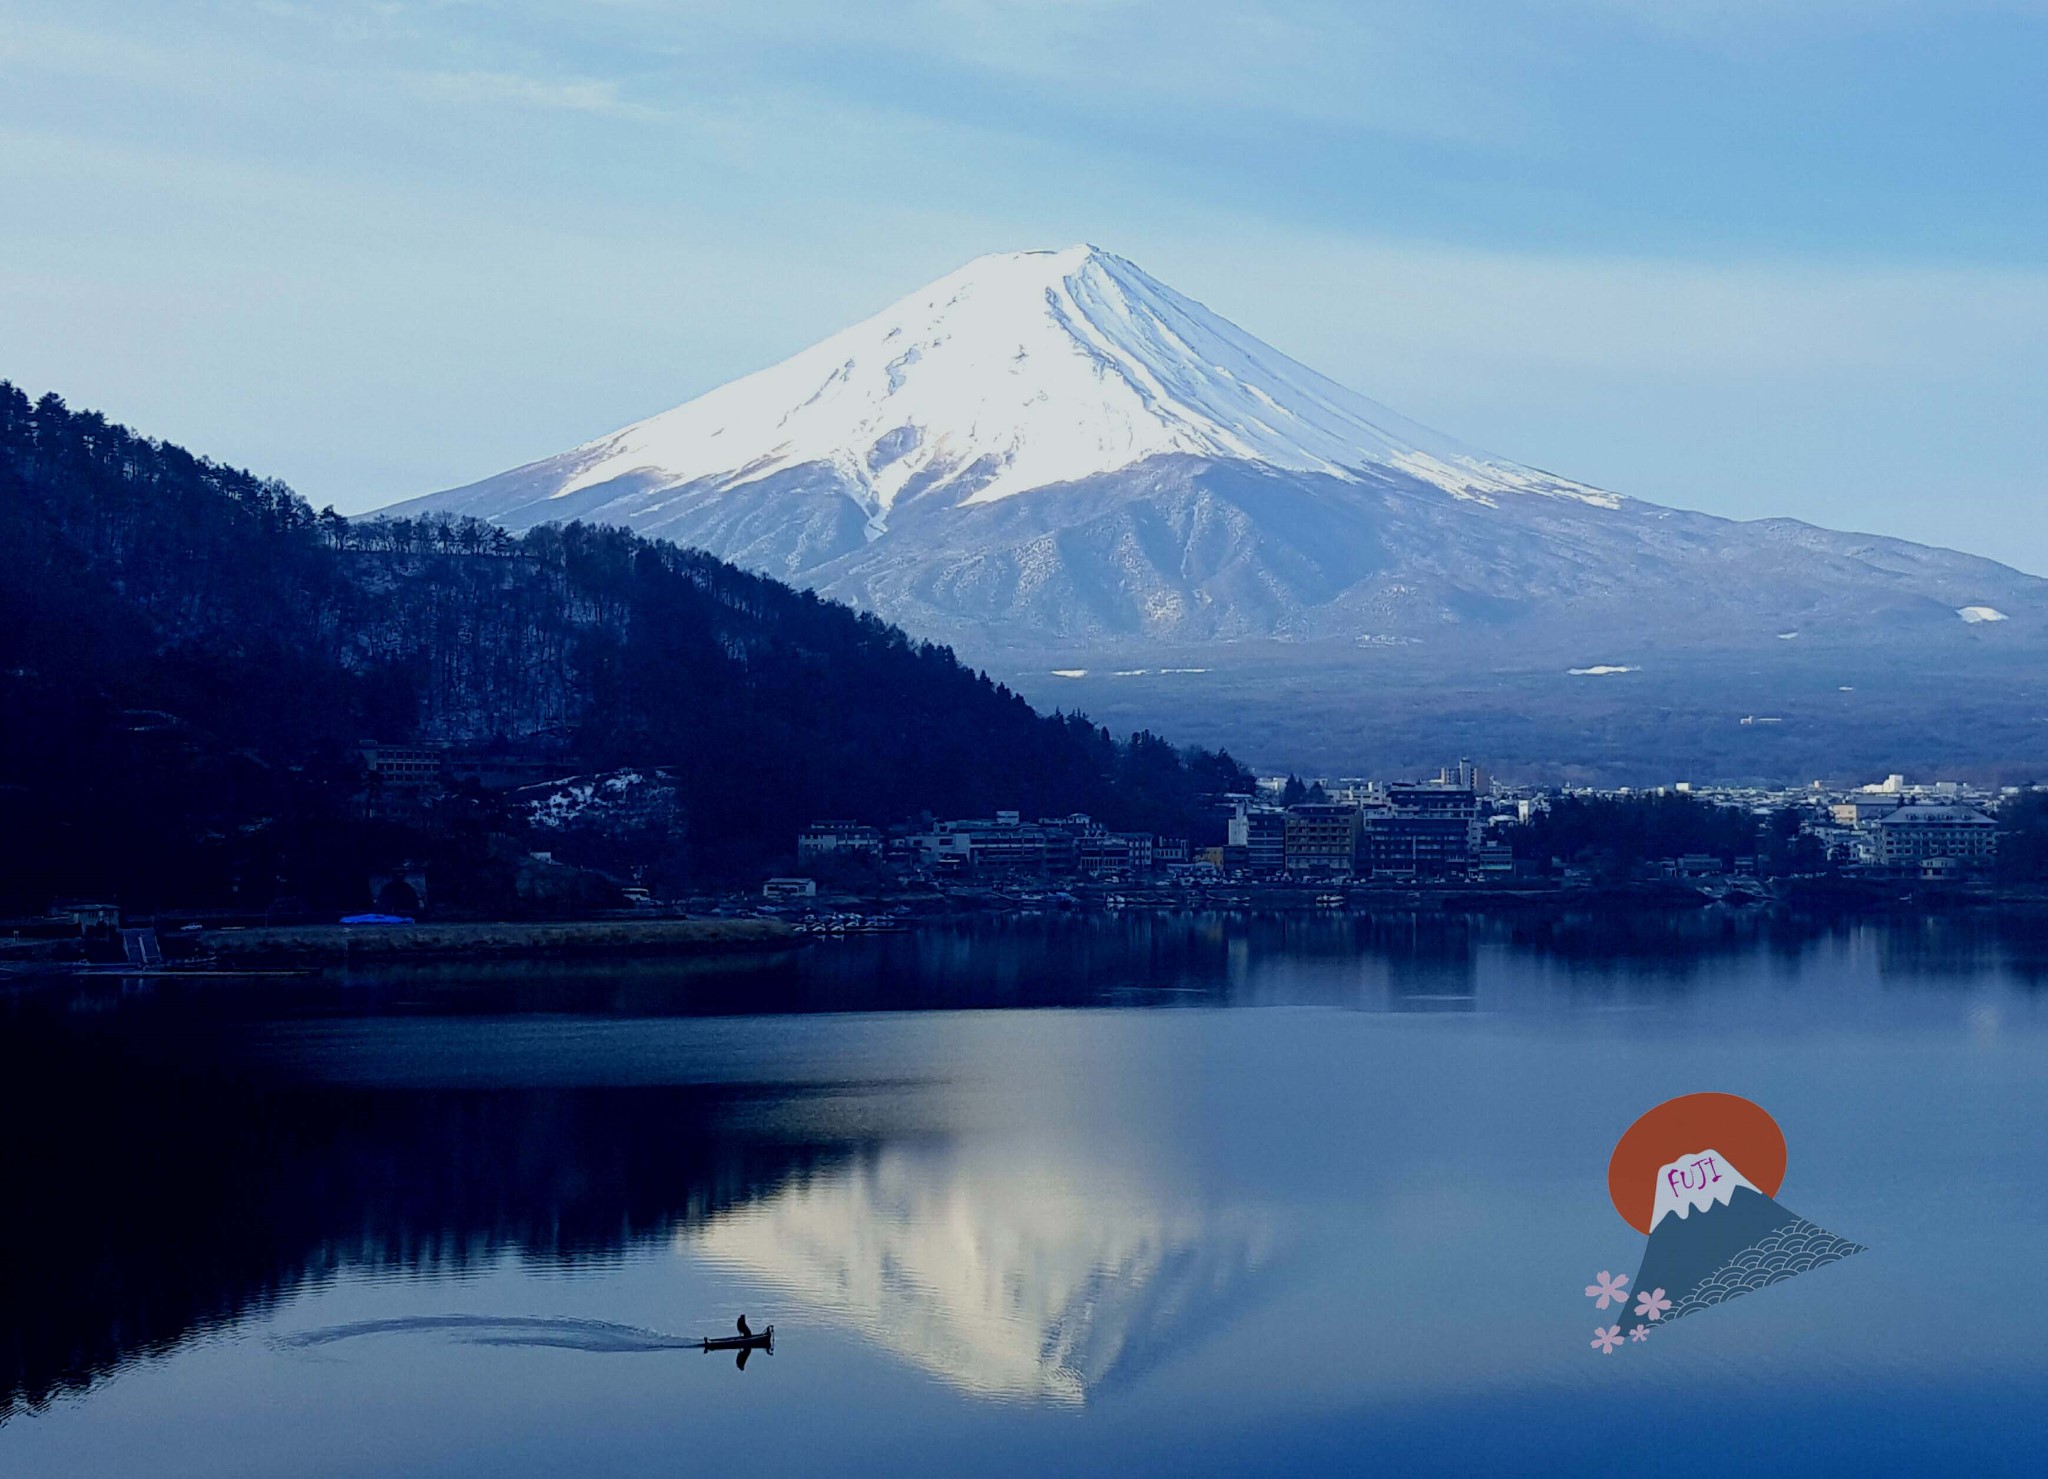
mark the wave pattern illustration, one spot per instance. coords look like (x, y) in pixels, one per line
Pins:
(1794, 1249)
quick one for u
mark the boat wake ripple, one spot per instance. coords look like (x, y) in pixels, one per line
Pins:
(601, 1336)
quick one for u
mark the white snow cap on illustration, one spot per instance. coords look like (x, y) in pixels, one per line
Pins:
(1695, 1182)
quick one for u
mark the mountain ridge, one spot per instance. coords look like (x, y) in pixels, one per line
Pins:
(1330, 583)
(1128, 466)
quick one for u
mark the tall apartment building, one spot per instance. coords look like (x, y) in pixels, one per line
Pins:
(1255, 835)
(1321, 837)
(1265, 844)
(1424, 829)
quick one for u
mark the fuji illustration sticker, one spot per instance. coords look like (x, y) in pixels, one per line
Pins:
(1700, 1175)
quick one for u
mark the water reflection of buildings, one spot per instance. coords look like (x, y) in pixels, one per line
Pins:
(1031, 1279)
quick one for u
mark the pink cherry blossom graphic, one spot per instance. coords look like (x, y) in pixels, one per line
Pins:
(1605, 1339)
(1641, 1332)
(1608, 1289)
(1652, 1304)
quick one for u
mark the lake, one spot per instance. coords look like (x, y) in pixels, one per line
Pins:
(1196, 1194)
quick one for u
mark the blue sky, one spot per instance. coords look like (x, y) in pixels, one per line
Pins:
(1751, 256)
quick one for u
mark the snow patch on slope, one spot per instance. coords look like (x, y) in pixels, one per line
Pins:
(1977, 615)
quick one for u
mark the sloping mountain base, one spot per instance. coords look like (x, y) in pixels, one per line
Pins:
(1605, 711)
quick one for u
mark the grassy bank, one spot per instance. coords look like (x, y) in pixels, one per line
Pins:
(312, 944)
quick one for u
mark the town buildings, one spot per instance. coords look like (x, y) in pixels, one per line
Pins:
(1456, 827)
(1859, 811)
(1052, 845)
(1426, 829)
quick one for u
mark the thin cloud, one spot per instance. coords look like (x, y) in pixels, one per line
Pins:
(515, 89)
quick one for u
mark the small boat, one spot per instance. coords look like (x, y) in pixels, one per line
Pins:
(762, 1340)
(746, 1340)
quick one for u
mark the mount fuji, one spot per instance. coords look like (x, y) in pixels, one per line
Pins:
(1072, 472)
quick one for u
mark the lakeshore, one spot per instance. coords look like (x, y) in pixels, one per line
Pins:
(1140, 1156)
(334, 944)
(711, 928)
(242, 950)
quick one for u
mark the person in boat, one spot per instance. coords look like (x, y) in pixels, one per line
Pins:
(745, 1333)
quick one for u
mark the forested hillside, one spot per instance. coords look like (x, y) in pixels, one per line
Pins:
(191, 658)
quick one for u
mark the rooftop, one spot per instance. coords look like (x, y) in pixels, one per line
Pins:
(1920, 816)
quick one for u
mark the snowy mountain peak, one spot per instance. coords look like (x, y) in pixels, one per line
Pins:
(1018, 371)
(1693, 1183)
(1055, 445)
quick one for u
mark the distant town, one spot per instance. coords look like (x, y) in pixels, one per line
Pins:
(1459, 839)
(1460, 828)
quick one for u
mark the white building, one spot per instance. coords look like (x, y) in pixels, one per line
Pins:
(1915, 836)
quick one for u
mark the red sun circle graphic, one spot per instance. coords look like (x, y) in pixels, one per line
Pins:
(1743, 1132)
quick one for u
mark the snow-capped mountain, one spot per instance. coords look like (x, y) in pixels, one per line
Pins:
(1019, 371)
(1057, 463)
(1055, 445)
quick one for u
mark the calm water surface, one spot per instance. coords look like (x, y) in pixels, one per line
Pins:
(1195, 1195)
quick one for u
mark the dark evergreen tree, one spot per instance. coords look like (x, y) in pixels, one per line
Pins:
(1611, 833)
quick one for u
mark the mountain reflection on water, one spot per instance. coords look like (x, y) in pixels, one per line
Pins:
(166, 1203)
(1049, 1209)
(1006, 1277)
